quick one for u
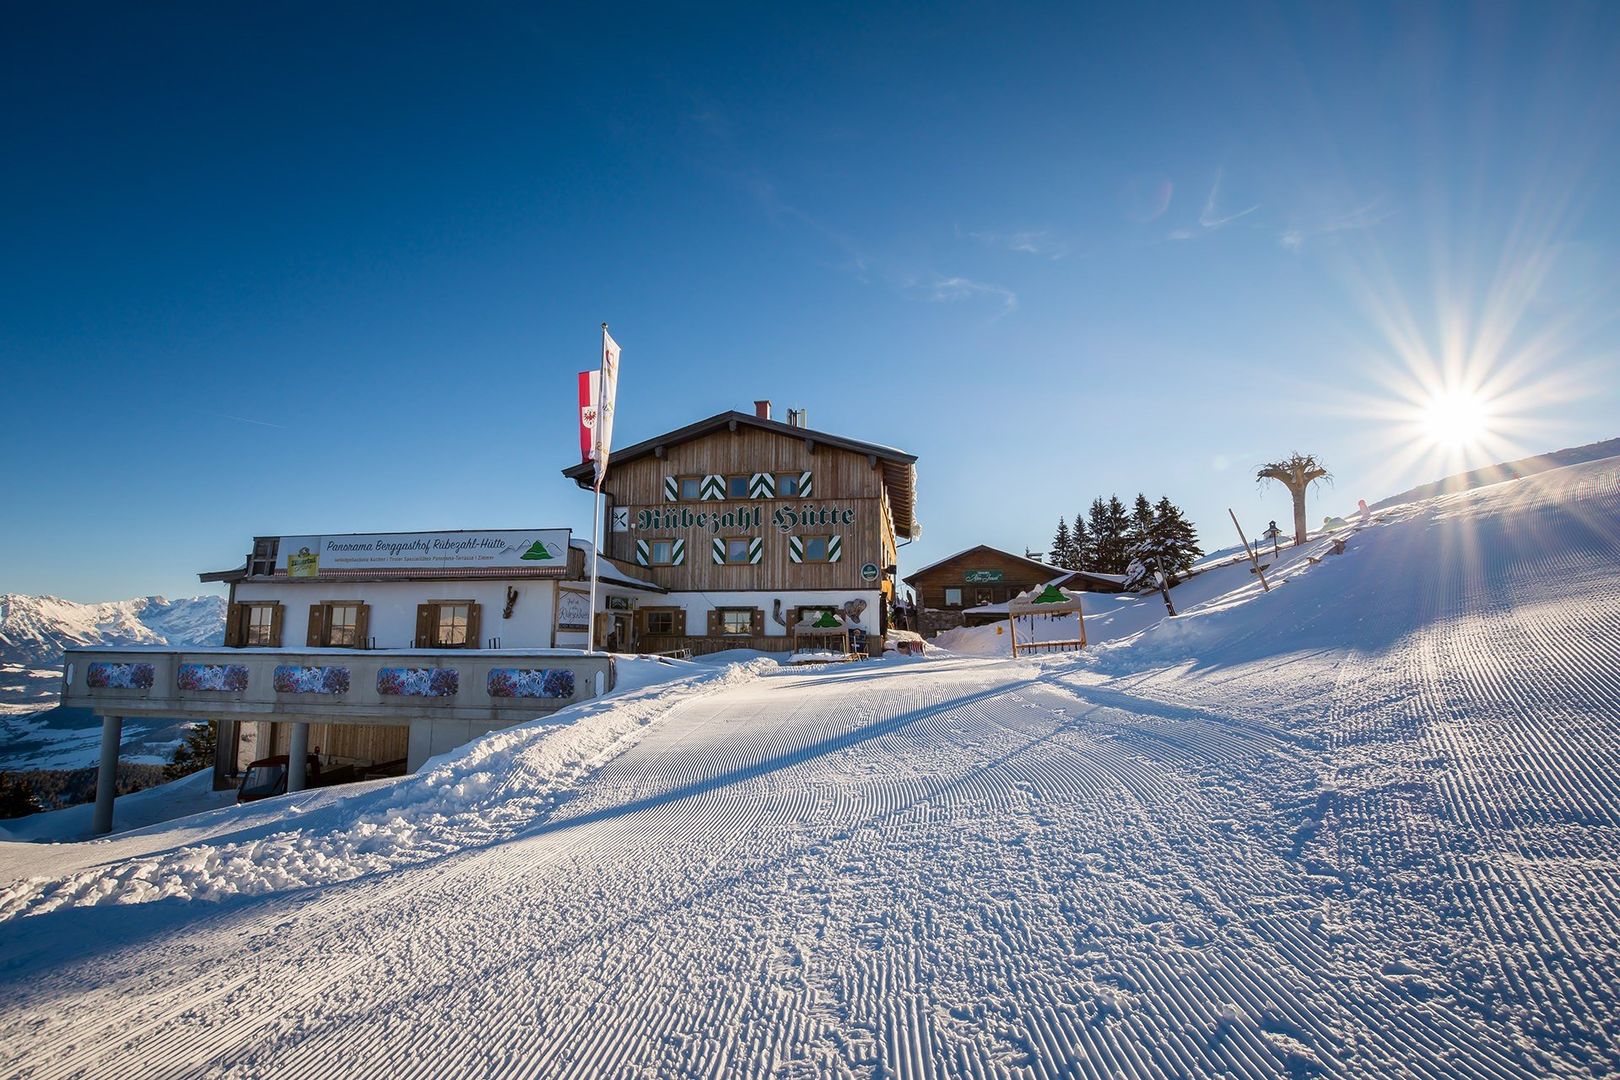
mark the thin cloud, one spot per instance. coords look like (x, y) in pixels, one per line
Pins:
(1295, 236)
(1039, 242)
(1211, 217)
(952, 290)
(250, 420)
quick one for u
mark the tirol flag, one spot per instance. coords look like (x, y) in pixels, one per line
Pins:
(587, 414)
(607, 391)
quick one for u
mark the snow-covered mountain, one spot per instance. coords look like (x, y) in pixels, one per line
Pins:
(35, 629)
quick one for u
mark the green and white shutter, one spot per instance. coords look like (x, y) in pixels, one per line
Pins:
(718, 547)
(806, 486)
(643, 553)
(795, 549)
(762, 485)
(835, 547)
(672, 489)
(712, 488)
(677, 555)
(756, 551)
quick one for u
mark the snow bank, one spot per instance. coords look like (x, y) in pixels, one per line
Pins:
(487, 790)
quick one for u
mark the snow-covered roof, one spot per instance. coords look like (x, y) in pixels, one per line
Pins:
(608, 571)
(998, 551)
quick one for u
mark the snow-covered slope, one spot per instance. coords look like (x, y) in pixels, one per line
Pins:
(1362, 825)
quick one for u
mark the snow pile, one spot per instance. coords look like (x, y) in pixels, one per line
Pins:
(489, 789)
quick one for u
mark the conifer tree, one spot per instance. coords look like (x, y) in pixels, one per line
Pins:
(1168, 546)
(197, 752)
(1062, 552)
(1082, 545)
(17, 799)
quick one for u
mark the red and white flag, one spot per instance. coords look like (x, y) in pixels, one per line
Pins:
(587, 414)
(597, 391)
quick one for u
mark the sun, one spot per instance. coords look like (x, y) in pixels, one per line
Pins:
(1456, 419)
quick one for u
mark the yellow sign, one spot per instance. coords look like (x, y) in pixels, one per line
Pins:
(303, 563)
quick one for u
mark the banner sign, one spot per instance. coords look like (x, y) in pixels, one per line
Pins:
(313, 556)
(609, 387)
(746, 518)
(587, 414)
(982, 575)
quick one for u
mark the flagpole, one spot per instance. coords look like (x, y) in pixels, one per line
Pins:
(596, 520)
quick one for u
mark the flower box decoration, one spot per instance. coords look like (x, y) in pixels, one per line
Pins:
(103, 676)
(231, 678)
(418, 682)
(296, 679)
(531, 683)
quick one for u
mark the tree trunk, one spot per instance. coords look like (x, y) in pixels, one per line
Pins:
(1300, 527)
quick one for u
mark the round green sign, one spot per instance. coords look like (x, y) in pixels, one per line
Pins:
(869, 572)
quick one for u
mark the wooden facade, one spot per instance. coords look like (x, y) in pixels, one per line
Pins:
(978, 576)
(840, 481)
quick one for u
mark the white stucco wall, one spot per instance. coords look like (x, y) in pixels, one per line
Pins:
(393, 607)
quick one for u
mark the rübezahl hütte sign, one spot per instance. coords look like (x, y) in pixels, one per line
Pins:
(313, 556)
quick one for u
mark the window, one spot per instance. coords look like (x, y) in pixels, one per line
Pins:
(737, 621)
(660, 622)
(736, 549)
(337, 624)
(691, 487)
(452, 626)
(737, 487)
(261, 625)
(661, 552)
(953, 597)
(448, 624)
(815, 548)
(263, 561)
(787, 485)
(981, 597)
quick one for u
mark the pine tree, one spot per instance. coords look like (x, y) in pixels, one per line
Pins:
(1097, 524)
(1062, 551)
(1083, 546)
(1168, 546)
(17, 799)
(197, 752)
(1113, 556)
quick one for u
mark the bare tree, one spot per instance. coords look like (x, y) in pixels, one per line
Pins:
(1297, 473)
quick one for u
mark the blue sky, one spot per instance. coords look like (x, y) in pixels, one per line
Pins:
(293, 269)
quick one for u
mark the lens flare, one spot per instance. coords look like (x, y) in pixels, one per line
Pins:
(1456, 419)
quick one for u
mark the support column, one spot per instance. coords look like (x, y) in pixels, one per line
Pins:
(112, 733)
(298, 758)
(224, 754)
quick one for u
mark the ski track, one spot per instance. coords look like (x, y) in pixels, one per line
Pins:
(1358, 861)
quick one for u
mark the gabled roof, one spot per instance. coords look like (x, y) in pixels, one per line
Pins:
(899, 467)
(1034, 564)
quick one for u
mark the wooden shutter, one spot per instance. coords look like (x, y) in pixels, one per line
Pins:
(234, 614)
(714, 622)
(759, 622)
(275, 626)
(362, 626)
(475, 626)
(317, 626)
(680, 621)
(426, 615)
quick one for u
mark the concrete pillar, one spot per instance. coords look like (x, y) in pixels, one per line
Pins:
(112, 733)
(225, 755)
(298, 758)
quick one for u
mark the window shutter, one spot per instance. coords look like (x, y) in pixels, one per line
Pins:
(795, 549)
(425, 615)
(756, 551)
(275, 626)
(362, 626)
(233, 625)
(835, 547)
(714, 622)
(759, 622)
(762, 485)
(678, 553)
(712, 487)
(672, 489)
(643, 553)
(806, 488)
(475, 626)
(317, 613)
(718, 547)
(680, 621)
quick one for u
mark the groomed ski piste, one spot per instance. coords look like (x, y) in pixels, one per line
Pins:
(1362, 825)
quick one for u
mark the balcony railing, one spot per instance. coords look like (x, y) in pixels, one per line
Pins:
(378, 686)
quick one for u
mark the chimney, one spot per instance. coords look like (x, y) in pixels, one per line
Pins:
(796, 418)
(762, 409)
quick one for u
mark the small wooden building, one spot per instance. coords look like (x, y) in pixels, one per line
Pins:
(984, 576)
